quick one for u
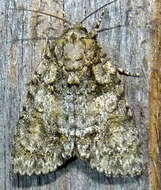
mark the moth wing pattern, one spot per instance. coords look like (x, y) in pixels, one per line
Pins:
(40, 146)
(109, 139)
(76, 106)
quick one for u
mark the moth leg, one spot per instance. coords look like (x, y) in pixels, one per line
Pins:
(127, 73)
(105, 72)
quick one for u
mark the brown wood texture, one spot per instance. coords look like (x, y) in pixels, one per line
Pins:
(22, 37)
(155, 100)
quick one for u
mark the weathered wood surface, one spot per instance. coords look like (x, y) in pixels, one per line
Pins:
(20, 53)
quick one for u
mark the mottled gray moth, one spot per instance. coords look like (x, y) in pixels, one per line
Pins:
(76, 107)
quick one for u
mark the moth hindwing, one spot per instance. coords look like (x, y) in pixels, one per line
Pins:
(76, 106)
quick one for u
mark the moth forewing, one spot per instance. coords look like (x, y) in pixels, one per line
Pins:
(77, 108)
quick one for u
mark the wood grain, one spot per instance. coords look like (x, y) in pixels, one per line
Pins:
(155, 100)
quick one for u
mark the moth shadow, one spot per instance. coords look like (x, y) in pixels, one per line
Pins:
(70, 172)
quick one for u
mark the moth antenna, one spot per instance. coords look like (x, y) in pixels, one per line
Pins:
(41, 12)
(110, 28)
(96, 11)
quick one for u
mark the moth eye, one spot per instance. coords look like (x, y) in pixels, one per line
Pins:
(67, 58)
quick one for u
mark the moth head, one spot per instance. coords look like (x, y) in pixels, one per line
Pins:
(76, 51)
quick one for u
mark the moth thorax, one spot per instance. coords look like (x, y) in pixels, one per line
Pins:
(73, 79)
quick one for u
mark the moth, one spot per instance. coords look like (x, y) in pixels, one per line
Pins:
(76, 107)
